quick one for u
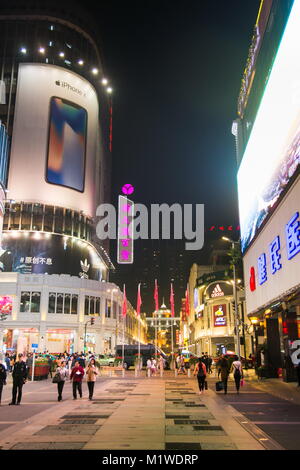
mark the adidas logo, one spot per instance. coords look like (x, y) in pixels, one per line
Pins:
(217, 292)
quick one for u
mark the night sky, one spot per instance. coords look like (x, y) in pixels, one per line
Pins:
(176, 70)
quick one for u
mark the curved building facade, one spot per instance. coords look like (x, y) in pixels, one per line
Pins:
(55, 170)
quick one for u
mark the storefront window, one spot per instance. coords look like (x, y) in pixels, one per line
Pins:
(92, 305)
(15, 216)
(74, 304)
(68, 222)
(30, 302)
(76, 225)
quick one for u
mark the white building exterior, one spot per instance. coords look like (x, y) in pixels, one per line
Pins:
(53, 311)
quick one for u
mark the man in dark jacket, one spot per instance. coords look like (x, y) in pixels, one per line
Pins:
(19, 375)
(2, 379)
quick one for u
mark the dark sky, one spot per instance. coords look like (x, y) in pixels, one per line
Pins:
(176, 70)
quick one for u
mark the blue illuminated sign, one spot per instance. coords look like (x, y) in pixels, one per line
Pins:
(292, 232)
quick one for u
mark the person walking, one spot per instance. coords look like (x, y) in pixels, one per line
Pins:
(153, 366)
(237, 370)
(7, 362)
(209, 363)
(77, 374)
(224, 372)
(200, 371)
(2, 379)
(19, 375)
(148, 367)
(91, 376)
(62, 373)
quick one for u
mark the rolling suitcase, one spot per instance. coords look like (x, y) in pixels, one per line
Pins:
(219, 386)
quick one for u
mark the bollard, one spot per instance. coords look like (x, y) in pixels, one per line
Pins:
(110, 372)
(189, 372)
(135, 372)
(161, 372)
(176, 372)
(148, 373)
(123, 372)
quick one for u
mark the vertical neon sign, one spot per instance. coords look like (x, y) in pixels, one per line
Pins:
(125, 231)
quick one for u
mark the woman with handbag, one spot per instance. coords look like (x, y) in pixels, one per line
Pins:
(60, 378)
(200, 371)
(237, 370)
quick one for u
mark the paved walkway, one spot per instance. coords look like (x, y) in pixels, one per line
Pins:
(133, 413)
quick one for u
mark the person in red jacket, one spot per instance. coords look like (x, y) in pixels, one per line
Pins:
(76, 376)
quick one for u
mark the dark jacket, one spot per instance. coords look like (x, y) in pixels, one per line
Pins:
(2, 374)
(20, 370)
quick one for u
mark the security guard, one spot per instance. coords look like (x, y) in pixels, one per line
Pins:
(19, 375)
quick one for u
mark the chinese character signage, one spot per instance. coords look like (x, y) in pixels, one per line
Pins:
(219, 315)
(125, 231)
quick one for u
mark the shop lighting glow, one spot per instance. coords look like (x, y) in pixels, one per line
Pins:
(42, 50)
(80, 62)
(23, 50)
(104, 81)
(95, 71)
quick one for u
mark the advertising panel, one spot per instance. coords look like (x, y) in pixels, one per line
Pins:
(5, 305)
(272, 156)
(51, 254)
(219, 315)
(67, 142)
(55, 151)
(271, 265)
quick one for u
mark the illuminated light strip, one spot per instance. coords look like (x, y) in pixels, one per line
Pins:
(259, 12)
(277, 114)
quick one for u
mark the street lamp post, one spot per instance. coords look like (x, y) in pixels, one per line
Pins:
(236, 314)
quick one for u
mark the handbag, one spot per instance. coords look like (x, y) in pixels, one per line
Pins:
(57, 378)
(219, 386)
(242, 382)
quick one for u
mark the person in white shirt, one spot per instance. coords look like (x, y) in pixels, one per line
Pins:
(237, 370)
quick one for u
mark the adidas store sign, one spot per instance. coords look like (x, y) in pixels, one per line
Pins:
(217, 292)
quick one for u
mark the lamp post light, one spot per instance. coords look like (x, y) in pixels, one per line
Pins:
(236, 314)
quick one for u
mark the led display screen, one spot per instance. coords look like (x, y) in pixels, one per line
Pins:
(219, 315)
(67, 144)
(272, 155)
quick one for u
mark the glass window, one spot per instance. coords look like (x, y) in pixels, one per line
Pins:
(68, 222)
(108, 309)
(59, 303)
(67, 308)
(35, 302)
(74, 304)
(87, 305)
(82, 227)
(26, 216)
(37, 217)
(25, 302)
(58, 220)
(92, 305)
(52, 301)
(76, 224)
(48, 218)
(6, 216)
(97, 306)
(115, 309)
(15, 215)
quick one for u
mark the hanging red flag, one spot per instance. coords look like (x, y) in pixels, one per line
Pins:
(139, 301)
(124, 306)
(187, 302)
(172, 301)
(156, 296)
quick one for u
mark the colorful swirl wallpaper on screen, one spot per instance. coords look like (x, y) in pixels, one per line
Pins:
(67, 144)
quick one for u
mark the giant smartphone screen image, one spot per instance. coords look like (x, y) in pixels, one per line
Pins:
(67, 144)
